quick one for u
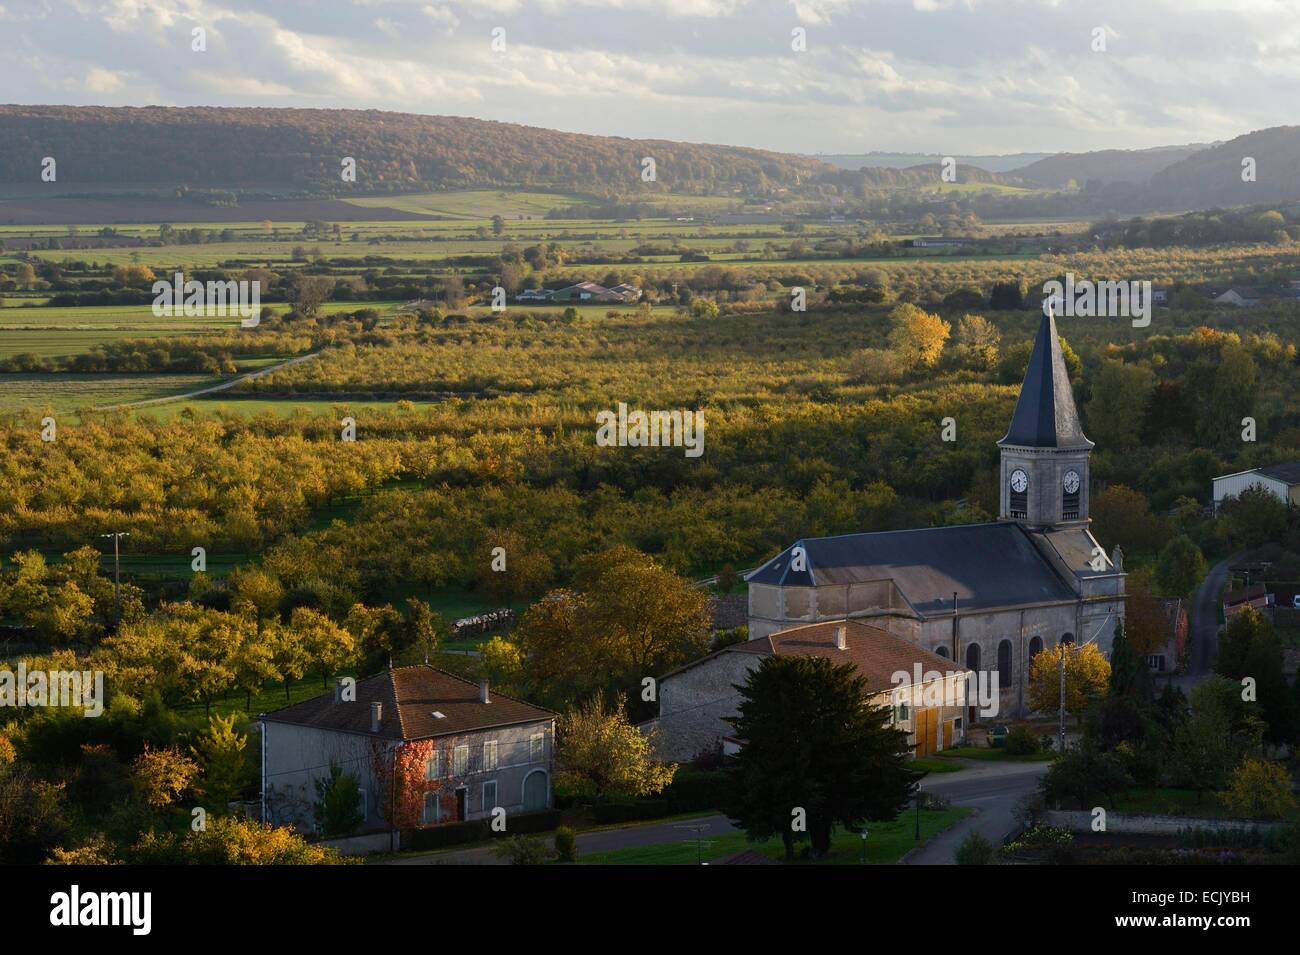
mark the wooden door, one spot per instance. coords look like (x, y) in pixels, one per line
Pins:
(925, 731)
(947, 734)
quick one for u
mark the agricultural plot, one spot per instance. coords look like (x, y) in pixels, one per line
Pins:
(36, 393)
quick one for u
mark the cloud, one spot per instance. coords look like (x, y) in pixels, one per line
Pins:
(959, 76)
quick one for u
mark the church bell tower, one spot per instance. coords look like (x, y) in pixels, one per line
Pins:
(1044, 473)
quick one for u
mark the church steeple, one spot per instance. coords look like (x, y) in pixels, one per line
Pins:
(1045, 452)
(1045, 414)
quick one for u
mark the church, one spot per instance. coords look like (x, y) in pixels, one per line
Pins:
(988, 596)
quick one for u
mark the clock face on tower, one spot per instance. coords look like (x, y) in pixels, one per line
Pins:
(1019, 481)
(1071, 482)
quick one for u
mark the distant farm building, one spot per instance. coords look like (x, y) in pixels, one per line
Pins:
(586, 292)
(1280, 480)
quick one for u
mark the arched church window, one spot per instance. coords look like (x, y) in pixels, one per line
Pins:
(943, 652)
(1068, 639)
(1035, 646)
(973, 656)
(1004, 663)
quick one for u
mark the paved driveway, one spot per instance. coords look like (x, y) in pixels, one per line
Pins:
(993, 790)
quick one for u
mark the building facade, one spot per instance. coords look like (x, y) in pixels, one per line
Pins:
(440, 748)
(697, 700)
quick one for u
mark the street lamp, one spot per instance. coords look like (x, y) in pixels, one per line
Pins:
(864, 842)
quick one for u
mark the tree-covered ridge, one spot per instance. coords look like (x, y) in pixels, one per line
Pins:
(255, 148)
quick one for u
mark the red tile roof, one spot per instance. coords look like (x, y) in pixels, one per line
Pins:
(410, 696)
(877, 654)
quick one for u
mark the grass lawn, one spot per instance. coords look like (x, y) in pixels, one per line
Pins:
(989, 754)
(926, 765)
(887, 842)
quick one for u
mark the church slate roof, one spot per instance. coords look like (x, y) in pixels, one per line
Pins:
(1045, 415)
(986, 565)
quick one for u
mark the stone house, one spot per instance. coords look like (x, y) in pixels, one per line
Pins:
(461, 750)
(696, 700)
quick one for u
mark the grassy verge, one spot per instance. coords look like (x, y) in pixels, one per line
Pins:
(887, 842)
(989, 754)
(925, 764)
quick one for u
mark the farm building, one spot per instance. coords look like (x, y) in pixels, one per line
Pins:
(1280, 480)
(585, 292)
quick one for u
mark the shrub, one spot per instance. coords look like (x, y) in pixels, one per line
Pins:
(1259, 790)
(1021, 741)
(566, 844)
(521, 850)
(974, 850)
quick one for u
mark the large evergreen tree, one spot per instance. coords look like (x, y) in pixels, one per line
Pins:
(812, 743)
(1129, 675)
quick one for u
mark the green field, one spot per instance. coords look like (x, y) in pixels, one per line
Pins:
(37, 392)
(473, 204)
(72, 330)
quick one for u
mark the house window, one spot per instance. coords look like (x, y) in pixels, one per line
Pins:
(1156, 662)
(432, 809)
(432, 767)
(489, 795)
(537, 747)
(362, 805)
(489, 755)
(460, 760)
(903, 714)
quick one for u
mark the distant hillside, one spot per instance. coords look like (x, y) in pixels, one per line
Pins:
(887, 160)
(1212, 177)
(1105, 166)
(265, 150)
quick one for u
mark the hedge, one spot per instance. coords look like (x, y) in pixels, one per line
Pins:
(478, 830)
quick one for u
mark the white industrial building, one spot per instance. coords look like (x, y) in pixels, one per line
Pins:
(1280, 480)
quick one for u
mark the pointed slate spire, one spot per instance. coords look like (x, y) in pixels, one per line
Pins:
(1045, 414)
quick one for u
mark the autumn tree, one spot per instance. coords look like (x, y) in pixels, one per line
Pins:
(626, 618)
(1260, 790)
(917, 336)
(1087, 677)
(978, 341)
(598, 752)
(161, 776)
(328, 647)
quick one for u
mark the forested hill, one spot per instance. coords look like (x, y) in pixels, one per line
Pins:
(1213, 177)
(254, 149)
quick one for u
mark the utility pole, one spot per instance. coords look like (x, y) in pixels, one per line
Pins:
(1063, 648)
(117, 570)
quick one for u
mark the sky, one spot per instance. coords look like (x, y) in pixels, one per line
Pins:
(955, 77)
